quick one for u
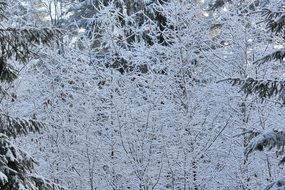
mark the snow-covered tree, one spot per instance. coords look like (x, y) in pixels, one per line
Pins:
(16, 166)
(267, 84)
(138, 99)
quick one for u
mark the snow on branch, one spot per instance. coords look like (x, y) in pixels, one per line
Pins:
(275, 23)
(7, 72)
(275, 56)
(275, 20)
(268, 140)
(16, 41)
(263, 88)
(277, 185)
(16, 168)
(15, 126)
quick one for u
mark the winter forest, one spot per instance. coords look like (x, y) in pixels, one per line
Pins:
(142, 94)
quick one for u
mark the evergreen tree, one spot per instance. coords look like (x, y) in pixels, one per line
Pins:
(268, 88)
(16, 166)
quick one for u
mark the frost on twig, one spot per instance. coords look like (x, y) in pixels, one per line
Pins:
(268, 140)
(277, 185)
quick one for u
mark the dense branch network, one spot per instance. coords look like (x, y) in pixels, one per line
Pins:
(16, 166)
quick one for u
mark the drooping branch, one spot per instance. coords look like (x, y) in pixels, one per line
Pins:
(13, 127)
(17, 42)
(275, 21)
(16, 169)
(266, 140)
(262, 88)
(275, 56)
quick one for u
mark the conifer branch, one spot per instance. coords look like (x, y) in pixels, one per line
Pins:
(262, 88)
